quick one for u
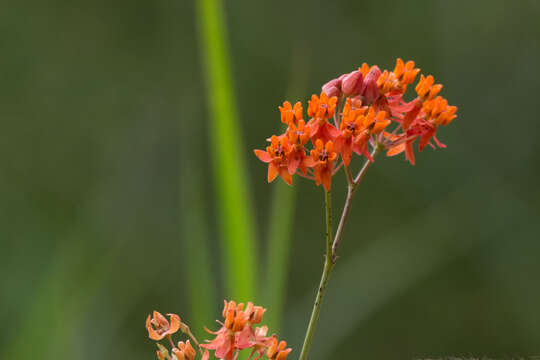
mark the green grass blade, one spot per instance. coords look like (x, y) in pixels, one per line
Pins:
(227, 151)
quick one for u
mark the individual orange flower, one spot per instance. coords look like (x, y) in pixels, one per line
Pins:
(364, 69)
(405, 72)
(438, 111)
(158, 326)
(372, 123)
(322, 161)
(388, 82)
(236, 332)
(276, 158)
(290, 114)
(434, 113)
(184, 351)
(396, 81)
(298, 137)
(321, 109)
(426, 89)
(277, 351)
(351, 127)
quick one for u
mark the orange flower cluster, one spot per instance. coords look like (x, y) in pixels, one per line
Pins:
(237, 333)
(352, 116)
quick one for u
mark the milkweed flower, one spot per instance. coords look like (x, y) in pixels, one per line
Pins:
(158, 326)
(320, 110)
(276, 155)
(322, 161)
(236, 332)
(355, 113)
(289, 114)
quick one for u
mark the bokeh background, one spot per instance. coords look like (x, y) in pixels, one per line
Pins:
(113, 197)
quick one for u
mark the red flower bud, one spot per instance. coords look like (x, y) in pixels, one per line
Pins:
(352, 83)
(370, 90)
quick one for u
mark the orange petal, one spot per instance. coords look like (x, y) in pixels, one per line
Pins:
(152, 334)
(175, 323)
(409, 152)
(396, 150)
(326, 180)
(272, 172)
(285, 175)
(263, 155)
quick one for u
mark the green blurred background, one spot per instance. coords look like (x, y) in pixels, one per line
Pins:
(115, 203)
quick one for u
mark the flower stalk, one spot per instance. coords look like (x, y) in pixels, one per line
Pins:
(332, 244)
(328, 266)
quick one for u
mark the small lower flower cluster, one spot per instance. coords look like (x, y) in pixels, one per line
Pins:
(353, 114)
(237, 333)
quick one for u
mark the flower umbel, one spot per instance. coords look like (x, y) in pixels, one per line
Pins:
(362, 105)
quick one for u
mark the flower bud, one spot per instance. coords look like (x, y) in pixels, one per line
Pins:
(370, 90)
(332, 88)
(352, 83)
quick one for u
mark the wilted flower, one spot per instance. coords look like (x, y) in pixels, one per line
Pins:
(158, 326)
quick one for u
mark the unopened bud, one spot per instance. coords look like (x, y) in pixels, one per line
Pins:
(352, 83)
(370, 90)
(332, 88)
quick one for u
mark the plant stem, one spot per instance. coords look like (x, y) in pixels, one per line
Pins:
(348, 201)
(328, 266)
(331, 249)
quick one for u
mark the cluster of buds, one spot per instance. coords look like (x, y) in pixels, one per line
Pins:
(351, 116)
(237, 333)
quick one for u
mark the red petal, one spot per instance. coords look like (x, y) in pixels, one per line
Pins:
(293, 164)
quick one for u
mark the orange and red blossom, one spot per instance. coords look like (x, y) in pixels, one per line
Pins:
(428, 116)
(351, 126)
(158, 326)
(320, 110)
(236, 332)
(322, 159)
(289, 114)
(426, 89)
(371, 100)
(276, 155)
(298, 137)
(397, 80)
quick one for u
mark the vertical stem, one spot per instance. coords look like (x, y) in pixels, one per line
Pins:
(328, 266)
(332, 244)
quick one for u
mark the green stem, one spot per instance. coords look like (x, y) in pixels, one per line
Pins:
(331, 250)
(328, 266)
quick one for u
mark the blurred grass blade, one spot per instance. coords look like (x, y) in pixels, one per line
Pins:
(279, 236)
(230, 175)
